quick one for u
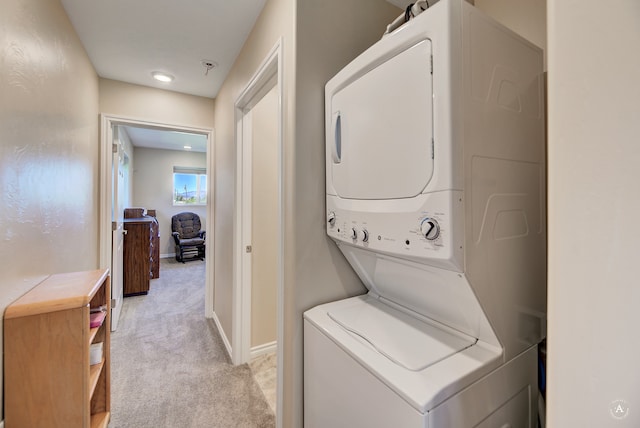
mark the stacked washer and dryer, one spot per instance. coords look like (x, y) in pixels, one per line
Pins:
(435, 181)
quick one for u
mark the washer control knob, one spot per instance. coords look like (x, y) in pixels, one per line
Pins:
(430, 228)
(331, 218)
(354, 233)
(364, 235)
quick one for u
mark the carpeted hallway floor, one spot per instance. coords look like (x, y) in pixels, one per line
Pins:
(169, 367)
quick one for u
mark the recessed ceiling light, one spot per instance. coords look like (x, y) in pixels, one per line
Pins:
(187, 147)
(162, 77)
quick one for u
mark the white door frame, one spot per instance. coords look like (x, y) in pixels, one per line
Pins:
(107, 122)
(268, 75)
(117, 241)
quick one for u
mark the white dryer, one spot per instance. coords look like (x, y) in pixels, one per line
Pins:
(436, 196)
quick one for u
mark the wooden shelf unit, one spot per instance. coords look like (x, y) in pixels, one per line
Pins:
(47, 373)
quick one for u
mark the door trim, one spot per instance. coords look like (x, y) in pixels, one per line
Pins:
(118, 157)
(107, 122)
(268, 75)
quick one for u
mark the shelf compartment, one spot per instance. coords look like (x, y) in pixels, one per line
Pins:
(92, 333)
(94, 375)
(100, 420)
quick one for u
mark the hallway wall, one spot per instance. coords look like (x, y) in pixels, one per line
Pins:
(155, 105)
(275, 21)
(318, 39)
(48, 149)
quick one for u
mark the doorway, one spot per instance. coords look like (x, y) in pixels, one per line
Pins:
(258, 233)
(263, 209)
(109, 221)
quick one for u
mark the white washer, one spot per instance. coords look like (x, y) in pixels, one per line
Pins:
(414, 374)
(435, 195)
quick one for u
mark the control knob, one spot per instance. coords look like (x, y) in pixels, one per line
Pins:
(354, 233)
(430, 228)
(331, 218)
(364, 235)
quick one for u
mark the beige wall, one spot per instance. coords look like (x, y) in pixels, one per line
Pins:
(155, 105)
(153, 187)
(594, 154)
(329, 35)
(264, 213)
(275, 22)
(48, 148)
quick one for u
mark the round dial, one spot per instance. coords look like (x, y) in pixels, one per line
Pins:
(364, 235)
(354, 233)
(430, 228)
(331, 218)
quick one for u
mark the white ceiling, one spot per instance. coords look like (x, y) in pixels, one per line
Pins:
(167, 140)
(127, 40)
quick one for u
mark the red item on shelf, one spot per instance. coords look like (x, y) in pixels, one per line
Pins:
(96, 319)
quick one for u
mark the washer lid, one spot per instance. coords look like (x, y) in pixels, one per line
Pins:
(407, 341)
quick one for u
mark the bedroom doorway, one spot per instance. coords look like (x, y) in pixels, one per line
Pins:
(109, 129)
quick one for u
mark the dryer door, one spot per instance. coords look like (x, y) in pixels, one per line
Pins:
(380, 143)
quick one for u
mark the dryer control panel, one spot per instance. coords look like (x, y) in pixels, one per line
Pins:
(426, 229)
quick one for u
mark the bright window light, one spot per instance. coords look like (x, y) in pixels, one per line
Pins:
(189, 186)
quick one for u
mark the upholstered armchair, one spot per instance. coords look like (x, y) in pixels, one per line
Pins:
(188, 237)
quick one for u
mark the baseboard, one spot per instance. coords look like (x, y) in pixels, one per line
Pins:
(256, 351)
(226, 342)
(163, 256)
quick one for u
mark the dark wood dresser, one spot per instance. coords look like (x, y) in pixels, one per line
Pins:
(137, 255)
(136, 221)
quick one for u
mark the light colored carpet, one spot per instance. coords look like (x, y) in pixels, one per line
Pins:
(169, 367)
(265, 372)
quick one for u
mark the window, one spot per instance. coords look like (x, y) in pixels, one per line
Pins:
(189, 186)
